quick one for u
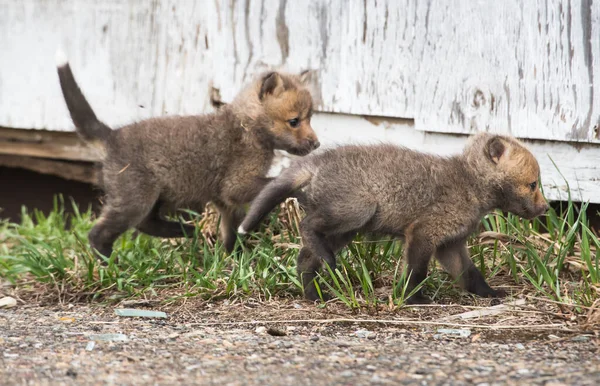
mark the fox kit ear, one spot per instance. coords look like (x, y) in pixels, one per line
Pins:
(496, 149)
(272, 84)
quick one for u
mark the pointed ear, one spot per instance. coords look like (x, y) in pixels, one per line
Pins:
(305, 76)
(272, 84)
(496, 148)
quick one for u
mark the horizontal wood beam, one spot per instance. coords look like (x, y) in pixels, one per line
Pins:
(45, 144)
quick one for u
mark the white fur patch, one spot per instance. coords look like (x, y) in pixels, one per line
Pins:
(241, 230)
(60, 58)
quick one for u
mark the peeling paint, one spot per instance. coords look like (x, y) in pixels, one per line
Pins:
(283, 33)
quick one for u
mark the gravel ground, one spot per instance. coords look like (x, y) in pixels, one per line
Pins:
(51, 345)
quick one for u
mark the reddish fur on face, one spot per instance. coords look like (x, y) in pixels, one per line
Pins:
(522, 170)
(285, 105)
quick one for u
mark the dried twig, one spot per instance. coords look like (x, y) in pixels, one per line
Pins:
(393, 321)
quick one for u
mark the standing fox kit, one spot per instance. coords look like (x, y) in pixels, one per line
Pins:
(434, 203)
(187, 161)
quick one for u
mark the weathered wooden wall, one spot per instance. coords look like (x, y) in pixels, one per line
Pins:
(530, 68)
(526, 67)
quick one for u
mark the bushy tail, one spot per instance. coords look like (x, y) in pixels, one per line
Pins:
(88, 126)
(273, 194)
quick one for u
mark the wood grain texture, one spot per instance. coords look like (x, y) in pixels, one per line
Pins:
(529, 68)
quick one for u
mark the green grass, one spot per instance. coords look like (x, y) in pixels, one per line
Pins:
(555, 256)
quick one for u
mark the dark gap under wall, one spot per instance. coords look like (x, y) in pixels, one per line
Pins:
(21, 187)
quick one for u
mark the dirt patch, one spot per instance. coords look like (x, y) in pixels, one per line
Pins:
(287, 342)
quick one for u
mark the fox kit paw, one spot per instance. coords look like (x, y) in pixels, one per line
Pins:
(499, 293)
(418, 298)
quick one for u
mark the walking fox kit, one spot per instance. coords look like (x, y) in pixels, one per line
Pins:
(434, 203)
(187, 161)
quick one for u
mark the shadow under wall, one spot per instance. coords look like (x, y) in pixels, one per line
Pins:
(21, 187)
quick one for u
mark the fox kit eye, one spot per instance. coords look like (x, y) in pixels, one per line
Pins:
(294, 122)
(533, 185)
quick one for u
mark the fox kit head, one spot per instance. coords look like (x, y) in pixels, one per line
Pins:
(516, 173)
(279, 109)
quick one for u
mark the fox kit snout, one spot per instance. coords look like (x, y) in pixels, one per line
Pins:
(434, 203)
(181, 162)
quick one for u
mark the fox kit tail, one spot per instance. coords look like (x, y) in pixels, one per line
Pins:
(88, 126)
(274, 193)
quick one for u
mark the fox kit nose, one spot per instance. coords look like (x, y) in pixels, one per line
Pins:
(311, 143)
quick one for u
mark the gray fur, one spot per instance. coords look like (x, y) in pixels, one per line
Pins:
(434, 203)
(176, 162)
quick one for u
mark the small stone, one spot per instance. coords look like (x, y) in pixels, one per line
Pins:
(288, 344)
(371, 368)
(260, 330)
(275, 332)
(519, 346)
(365, 334)
(342, 344)
(314, 338)
(275, 344)
(132, 312)
(110, 337)
(297, 306)
(71, 373)
(90, 346)
(347, 374)
(10, 355)
(580, 338)
(8, 302)
(452, 332)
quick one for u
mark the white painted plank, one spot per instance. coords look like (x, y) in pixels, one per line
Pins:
(528, 68)
(524, 67)
(138, 59)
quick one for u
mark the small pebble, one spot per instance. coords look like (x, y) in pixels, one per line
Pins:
(276, 332)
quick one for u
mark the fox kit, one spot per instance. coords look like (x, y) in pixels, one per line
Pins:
(433, 203)
(186, 161)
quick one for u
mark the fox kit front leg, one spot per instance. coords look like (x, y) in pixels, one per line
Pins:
(454, 257)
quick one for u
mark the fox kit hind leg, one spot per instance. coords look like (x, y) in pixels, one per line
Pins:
(155, 225)
(323, 235)
(454, 257)
(117, 217)
(231, 218)
(310, 261)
